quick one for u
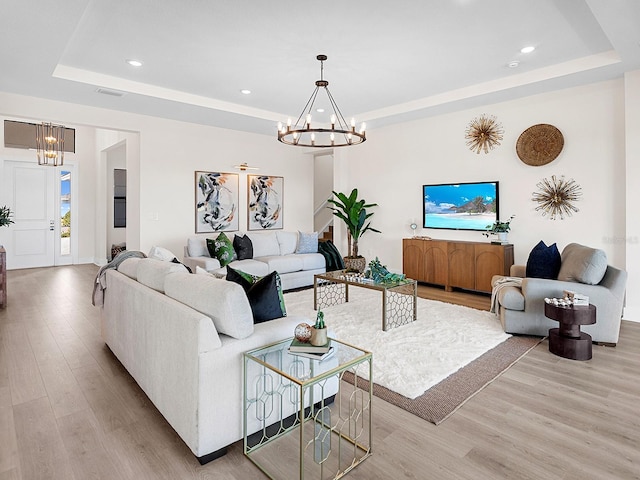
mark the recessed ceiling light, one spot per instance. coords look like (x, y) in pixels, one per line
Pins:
(244, 91)
(513, 64)
(134, 63)
(320, 110)
(528, 49)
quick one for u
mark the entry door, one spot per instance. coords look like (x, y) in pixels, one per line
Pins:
(32, 192)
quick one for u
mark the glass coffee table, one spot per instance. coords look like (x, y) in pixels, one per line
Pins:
(398, 298)
(305, 418)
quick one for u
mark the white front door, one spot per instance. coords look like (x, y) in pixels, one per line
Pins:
(33, 193)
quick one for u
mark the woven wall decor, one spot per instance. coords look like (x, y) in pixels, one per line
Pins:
(539, 144)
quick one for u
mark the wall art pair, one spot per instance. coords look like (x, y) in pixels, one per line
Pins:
(217, 198)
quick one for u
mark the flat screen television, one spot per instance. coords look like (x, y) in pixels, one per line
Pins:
(461, 206)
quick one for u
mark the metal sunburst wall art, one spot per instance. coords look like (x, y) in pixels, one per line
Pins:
(556, 197)
(483, 133)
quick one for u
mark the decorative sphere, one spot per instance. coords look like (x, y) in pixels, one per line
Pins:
(303, 332)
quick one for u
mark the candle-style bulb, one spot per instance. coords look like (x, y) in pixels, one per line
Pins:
(288, 122)
(353, 122)
(363, 127)
(313, 139)
(308, 120)
(333, 121)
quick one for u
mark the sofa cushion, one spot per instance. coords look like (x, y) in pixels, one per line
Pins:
(264, 244)
(287, 241)
(312, 261)
(224, 302)
(264, 294)
(152, 272)
(582, 264)
(307, 242)
(222, 249)
(129, 267)
(544, 261)
(254, 267)
(243, 247)
(197, 247)
(283, 263)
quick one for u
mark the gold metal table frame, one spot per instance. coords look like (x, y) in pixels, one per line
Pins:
(399, 304)
(305, 431)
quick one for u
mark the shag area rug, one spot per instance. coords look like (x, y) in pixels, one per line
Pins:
(431, 366)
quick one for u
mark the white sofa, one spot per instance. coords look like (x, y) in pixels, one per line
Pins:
(272, 251)
(181, 337)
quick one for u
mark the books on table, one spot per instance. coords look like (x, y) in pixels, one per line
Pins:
(305, 347)
(314, 356)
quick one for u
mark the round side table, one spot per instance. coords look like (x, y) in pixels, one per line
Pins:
(568, 341)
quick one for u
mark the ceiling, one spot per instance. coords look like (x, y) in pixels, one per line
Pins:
(388, 61)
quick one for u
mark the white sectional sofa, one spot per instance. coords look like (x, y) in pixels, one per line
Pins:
(181, 336)
(272, 251)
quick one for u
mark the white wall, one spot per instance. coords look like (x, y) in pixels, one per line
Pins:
(169, 154)
(116, 159)
(322, 188)
(394, 163)
(631, 239)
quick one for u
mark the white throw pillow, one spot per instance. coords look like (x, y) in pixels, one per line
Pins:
(287, 241)
(197, 247)
(160, 253)
(264, 244)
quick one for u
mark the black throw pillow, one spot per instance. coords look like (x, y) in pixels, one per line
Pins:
(243, 247)
(544, 262)
(265, 298)
(175, 260)
(264, 294)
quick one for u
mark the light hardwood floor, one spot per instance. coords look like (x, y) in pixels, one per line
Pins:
(68, 409)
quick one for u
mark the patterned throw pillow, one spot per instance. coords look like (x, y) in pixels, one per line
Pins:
(264, 294)
(243, 247)
(307, 242)
(222, 249)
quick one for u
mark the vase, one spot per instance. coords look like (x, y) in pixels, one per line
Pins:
(318, 336)
(502, 236)
(355, 264)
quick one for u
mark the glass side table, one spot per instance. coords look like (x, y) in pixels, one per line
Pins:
(305, 418)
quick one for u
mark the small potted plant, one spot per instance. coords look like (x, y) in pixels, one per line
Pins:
(319, 334)
(499, 228)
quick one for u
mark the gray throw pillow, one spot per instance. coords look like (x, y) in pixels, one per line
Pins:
(582, 264)
(307, 242)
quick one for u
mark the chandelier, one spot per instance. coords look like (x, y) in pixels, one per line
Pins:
(50, 144)
(335, 134)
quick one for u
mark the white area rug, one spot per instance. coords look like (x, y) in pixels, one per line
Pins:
(412, 358)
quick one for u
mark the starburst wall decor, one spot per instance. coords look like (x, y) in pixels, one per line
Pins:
(483, 133)
(556, 196)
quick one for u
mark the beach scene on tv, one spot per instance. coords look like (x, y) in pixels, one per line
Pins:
(464, 206)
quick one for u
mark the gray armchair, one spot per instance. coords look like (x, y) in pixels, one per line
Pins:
(521, 309)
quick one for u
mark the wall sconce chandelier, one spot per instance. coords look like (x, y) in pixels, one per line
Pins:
(339, 134)
(50, 144)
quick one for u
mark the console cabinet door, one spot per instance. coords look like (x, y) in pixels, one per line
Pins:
(462, 270)
(413, 259)
(436, 262)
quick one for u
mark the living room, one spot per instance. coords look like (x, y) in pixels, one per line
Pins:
(598, 120)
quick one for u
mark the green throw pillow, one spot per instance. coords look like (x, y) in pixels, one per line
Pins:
(222, 249)
(264, 294)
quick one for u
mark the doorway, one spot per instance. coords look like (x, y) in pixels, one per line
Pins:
(43, 202)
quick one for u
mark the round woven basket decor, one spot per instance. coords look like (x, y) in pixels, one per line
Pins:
(539, 144)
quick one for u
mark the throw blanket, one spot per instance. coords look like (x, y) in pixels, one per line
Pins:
(332, 257)
(501, 283)
(100, 283)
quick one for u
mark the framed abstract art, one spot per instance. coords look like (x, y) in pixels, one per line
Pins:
(216, 202)
(264, 203)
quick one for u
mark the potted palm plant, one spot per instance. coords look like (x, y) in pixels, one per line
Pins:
(353, 212)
